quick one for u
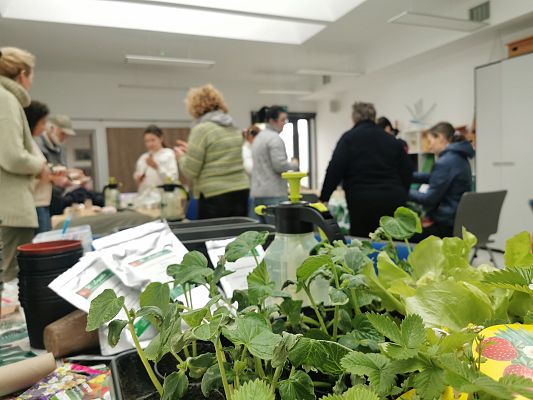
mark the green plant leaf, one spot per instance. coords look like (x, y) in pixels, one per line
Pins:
(190, 274)
(337, 297)
(104, 308)
(292, 309)
(244, 244)
(160, 345)
(513, 278)
(254, 332)
(310, 266)
(353, 281)
(150, 311)
(322, 355)
(427, 259)
(156, 294)
(212, 379)
(195, 318)
(175, 386)
(114, 331)
(355, 259)
(192, 270)
(450, 304)
(389, 273)
(373, 366)
(518, 251)
(254, 390)
(455, 341)
(355, 393)
(208, 330)
(413, 332)
(429, 383)
(403, 225)
(259, 285)
(198, 365)
(242, 299)
(282, 349)
(299, 386)
(386, 326)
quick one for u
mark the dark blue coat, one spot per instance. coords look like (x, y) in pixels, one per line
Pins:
(450, 178)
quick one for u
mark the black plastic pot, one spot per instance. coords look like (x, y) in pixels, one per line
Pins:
(40, 313)
(134, 383)
(48, 263)
(40, 264)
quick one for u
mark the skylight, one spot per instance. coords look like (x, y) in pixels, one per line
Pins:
(162, 18)
(319, 10)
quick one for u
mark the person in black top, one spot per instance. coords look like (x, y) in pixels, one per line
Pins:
(385, 124)
(374, 169)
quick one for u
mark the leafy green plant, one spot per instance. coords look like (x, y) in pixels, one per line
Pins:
(373, 338)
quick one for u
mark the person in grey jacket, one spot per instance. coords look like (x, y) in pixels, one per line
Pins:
(270, 161)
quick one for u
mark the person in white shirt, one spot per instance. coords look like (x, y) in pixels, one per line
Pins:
(249, 136)
(158, 163)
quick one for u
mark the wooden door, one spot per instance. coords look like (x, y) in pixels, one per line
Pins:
(125, 145)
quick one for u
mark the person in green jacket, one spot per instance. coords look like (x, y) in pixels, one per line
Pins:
(19, 164)
(212, 157)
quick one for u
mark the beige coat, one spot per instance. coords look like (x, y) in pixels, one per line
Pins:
(18, 163)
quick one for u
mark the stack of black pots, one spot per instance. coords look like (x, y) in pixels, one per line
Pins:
(39, 264)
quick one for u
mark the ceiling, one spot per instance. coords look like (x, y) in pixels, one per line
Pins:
(360, 40)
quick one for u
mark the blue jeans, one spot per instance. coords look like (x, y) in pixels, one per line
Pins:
(43, 216)
(268, 201)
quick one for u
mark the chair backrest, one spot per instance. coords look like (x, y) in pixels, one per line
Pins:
(479, 213)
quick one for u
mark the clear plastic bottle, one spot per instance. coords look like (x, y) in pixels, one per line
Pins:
(283, 257)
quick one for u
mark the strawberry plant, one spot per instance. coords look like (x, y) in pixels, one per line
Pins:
(402, 326)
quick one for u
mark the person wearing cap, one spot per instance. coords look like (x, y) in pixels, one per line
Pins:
(52, 139)
(18, 163)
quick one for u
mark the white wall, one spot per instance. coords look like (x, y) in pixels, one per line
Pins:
(98, 97)
(446, 78)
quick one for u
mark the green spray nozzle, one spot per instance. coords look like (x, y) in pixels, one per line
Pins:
(112, 181)
(294, 184)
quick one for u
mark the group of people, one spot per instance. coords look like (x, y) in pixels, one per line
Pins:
(225, 165)
(376, 174)
(224, 168)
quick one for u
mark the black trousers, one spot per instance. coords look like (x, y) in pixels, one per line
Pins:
(438, 230)
(231, 204)
(366, 207)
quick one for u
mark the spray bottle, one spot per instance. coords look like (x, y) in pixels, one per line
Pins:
(295, 221)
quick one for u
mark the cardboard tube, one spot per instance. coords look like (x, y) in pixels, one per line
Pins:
(23, 374)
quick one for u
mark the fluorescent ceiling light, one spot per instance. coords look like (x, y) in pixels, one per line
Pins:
(436, 21)
(285, 92)
(318, 10)
(322, 72)
(161, 18)
(169, 61)
(152, 87)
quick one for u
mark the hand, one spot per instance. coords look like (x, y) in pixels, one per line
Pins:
(151, 163)
(61, 181)
(179, 152)
(139, 178)
(295, 162)
(46, 173)
(183, 145)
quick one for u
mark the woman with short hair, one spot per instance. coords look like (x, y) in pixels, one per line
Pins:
(374, 169)
(212, 157)
(18, 163)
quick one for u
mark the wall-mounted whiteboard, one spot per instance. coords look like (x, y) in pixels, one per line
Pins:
(504, 116)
